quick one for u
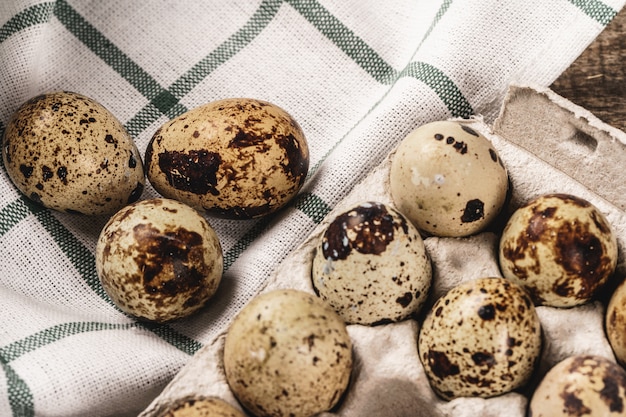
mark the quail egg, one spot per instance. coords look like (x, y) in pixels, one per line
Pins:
(200, 407)
(159, 259)
(560, 248)
(371, 265)
(581, 385)
(236, 158)
(448, 179)
(69, 153)
(481, 339)
(287, 353)
(615, 322)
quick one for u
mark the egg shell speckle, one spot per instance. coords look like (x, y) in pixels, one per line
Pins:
(159, 260)
(371, 265)
(560, 248)
(201, 407)
(581, 385)
(615, 322)
(481, 339)
(448, 179)
(69, 153)
(287, 353)
(236, 158)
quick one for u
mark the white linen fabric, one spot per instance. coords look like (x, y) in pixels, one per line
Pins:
(357, 75)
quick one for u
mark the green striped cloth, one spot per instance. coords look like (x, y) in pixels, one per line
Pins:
(358, 75)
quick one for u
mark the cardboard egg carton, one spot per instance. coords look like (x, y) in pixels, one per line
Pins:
(548, 145)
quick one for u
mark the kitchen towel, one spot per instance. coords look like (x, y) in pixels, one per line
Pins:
(356, 75)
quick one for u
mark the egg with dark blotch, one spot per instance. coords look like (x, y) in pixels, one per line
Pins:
(198, 406)
(236, 158)
(287, 353)
(481, 339)
(560, 248)
(371, 265)
(159, 260)
(581, 385)
(448, 179)
(67, 152)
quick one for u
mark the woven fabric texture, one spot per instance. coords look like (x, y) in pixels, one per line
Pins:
(357, 75)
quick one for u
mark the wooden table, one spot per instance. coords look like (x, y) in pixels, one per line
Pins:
(597, 79)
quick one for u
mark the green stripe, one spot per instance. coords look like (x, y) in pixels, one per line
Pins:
(596, 9)
(142, 120)
(33, 15)
(20, 396)
(442, 85)
(178, 340)
(345, 39)
(82, 259)
(442, 11)
(106, 50)
(313, 206)
(15, 212)
(114, 57)
(235, 43)
(167, 102)
(19, 348)
(374, 64)
(55, 333)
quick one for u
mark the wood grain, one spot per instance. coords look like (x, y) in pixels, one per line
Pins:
(597, 79)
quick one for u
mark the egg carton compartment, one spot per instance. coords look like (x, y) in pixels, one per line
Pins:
(549, 145)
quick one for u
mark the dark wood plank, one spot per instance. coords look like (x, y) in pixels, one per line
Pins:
(597, 79)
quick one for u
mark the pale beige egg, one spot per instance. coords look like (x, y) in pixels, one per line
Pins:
(159, 260)
(287, 353)
(560, 248)
(448, 179)
(69, 153)
(371, 265)
(582, 385)
(615, 322)
(481, 339)
(237, 158)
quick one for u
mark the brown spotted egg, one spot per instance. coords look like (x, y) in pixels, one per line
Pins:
(481, 339)
(159, 260)
(287, 353)
(237, 158)
(448, 179)
(69, 153)
(582, 385)
(200, 407)
(615, 322)
(560, 248)
(371, 265)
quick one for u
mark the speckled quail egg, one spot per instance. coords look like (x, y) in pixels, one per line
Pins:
(448, 179)
(615, 322)
(371, 265)
(200, 407)
(560, 248)
(287, 353)
(69, 153)
(159, 259)
(581, 385)
(481, 339)
(236, 158)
